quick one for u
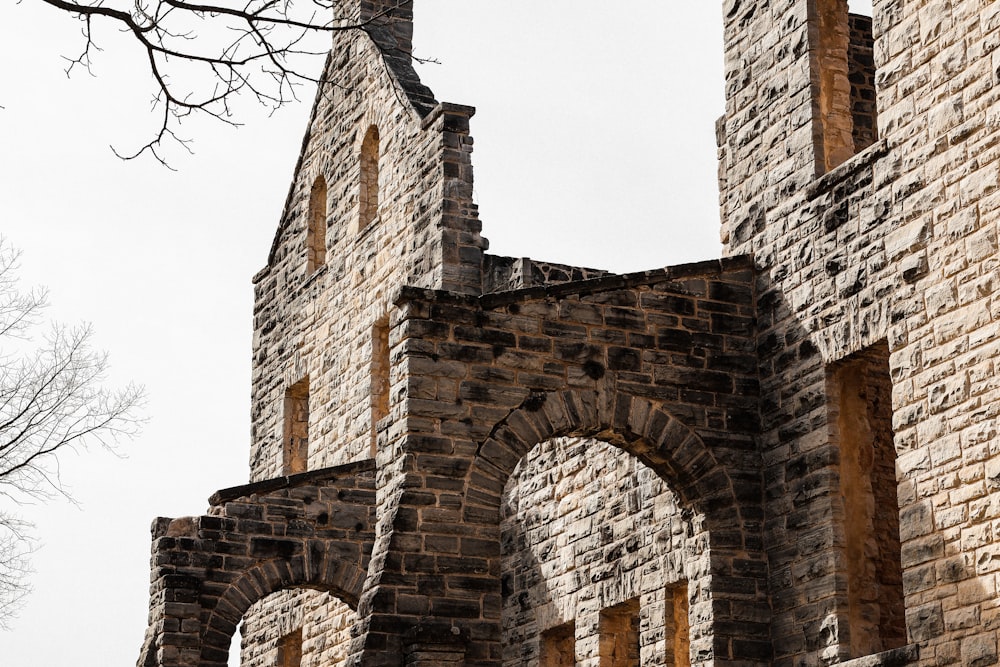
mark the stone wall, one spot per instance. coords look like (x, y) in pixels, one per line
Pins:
(314, 531)
(319, 623)
(502, 274)
(491, 377)
(898, 243)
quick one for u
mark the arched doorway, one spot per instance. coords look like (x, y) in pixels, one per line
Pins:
(294, 628)
(597, 552)
(730, 583)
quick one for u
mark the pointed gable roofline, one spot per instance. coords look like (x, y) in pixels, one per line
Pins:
(383, 30)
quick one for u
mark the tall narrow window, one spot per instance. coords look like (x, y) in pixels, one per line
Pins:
(844, 81)
(677, 627)
(379, 378)
(290, 649)
(368, 194)
(619, 641)
(558, 646)
(316, 232)
(833, 105)
(296, 437)
(861, 390)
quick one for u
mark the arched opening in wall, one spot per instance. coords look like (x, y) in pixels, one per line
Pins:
(368, 193)
(843, 64)
(295, 449)
(860, 392)
(379, 378)
(316, 230)
(294, 628)
(596, 551)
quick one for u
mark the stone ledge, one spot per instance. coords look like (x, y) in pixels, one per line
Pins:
(302, 479)
(897, 657)
(845, 171)
(712, 267)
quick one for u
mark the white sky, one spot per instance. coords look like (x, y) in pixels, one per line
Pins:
(594, 146)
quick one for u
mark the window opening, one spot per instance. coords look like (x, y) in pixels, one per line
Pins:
(290, 650)
(619, 635)
(379, 378)
(844, 63)
(862, 393)
(316, 232)
(677, 625)
(296, 435)
(558, 646)
(369, 187)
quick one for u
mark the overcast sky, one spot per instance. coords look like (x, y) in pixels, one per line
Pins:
(594, 145)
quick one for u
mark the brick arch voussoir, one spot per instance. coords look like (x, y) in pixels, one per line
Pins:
(316, 569)
(639, 426)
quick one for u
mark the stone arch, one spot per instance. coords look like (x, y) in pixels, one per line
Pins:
(594, 545)
(734, 576)
(317, 570)
(639, 426)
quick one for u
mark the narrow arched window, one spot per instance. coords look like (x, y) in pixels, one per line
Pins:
(316, 234)
(368, 194)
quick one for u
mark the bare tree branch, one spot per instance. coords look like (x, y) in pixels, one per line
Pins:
(52, 399)
(202, 55)
(16, 546)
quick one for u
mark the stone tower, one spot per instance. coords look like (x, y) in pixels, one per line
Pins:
(871, 216)
(786, 457)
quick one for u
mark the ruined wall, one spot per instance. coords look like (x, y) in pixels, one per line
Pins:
(825, 411)
(897, 243)
(501, 274)
(484, 382)
(257, 542)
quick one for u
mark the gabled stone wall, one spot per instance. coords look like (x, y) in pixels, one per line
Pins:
(318, 324)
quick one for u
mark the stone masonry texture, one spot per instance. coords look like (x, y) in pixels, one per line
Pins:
(788, 456)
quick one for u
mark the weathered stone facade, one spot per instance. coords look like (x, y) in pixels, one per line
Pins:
(785, 457)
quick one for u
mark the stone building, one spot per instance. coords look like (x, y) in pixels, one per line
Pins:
(787, 456)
